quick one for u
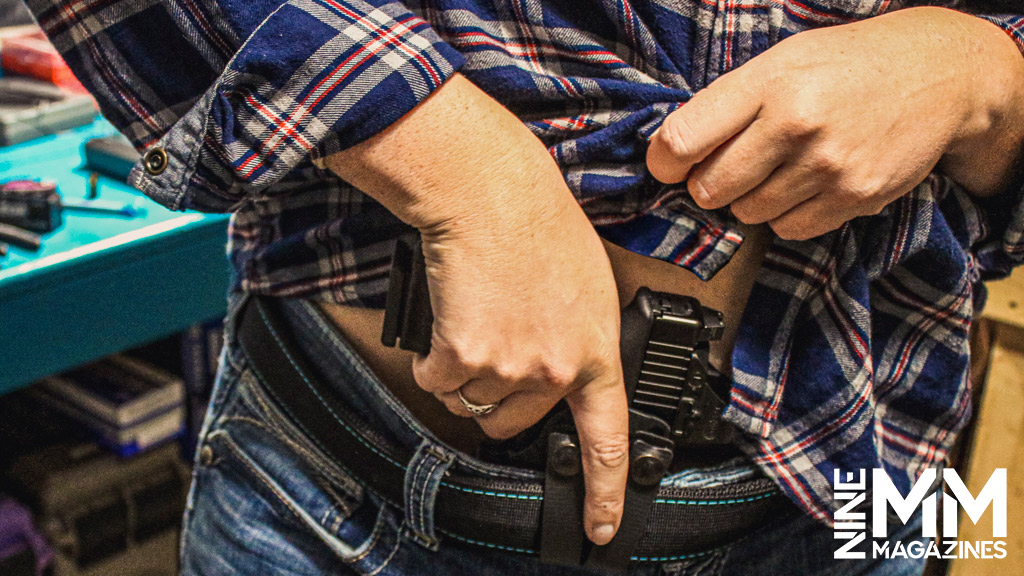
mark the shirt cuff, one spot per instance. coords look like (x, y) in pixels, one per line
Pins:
(316, 75)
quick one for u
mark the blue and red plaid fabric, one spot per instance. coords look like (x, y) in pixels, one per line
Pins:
(853, 349)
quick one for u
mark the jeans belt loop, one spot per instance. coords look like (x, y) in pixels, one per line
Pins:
(422, 480)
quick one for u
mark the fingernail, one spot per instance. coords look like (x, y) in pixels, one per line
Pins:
(602, 534)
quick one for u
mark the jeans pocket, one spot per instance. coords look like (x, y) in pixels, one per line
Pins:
(267, 501)
(254, 515)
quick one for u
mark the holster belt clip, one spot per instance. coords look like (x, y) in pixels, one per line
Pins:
(563, 540)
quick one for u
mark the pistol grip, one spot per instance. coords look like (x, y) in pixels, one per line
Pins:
(408, 318)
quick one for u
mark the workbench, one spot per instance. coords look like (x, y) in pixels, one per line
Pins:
(101, 283)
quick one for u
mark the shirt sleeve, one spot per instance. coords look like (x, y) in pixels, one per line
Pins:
(312, 77)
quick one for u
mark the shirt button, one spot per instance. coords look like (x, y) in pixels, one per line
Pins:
(206, 455)
(155, 161)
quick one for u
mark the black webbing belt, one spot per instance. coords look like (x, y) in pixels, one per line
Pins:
(503, 514)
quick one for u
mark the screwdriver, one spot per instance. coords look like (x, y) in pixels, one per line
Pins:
(20, 237)
(98, 206)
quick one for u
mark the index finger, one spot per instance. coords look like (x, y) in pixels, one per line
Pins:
(708, 120)
(601, 414)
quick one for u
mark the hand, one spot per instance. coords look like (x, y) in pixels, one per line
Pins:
(526, 311)
(836, 123)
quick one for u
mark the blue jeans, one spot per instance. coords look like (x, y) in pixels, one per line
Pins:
(265, 500)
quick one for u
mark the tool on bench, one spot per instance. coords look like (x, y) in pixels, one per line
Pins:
(99, 206)
(92, 202)
(31, 205)
(93, 190)
(112, 156)
(29, 208)
(20, 237)
(31, 108)
(37, 206)
(675, 402)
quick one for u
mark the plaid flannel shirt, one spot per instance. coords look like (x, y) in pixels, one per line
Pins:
(853, 348)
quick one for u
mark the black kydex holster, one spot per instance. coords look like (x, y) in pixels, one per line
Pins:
(675, 402)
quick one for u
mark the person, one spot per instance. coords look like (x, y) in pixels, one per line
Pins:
(836, 177)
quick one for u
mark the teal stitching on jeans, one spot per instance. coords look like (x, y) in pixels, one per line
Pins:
(714, 502)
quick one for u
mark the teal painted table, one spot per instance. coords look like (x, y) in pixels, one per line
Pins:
(101, 283)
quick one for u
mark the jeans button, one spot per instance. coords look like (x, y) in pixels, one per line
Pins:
(206, 456)
(155, 161)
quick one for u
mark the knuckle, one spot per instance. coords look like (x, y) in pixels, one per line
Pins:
(610, 362)
(508, 370)
(607, 504)
(862, 192)
(746, 212)
(800, 123)
(825, 163)
(468, 357)
(611, 453)
(678, 135)
(558, 375)
(427, 378)
(704, 191)
(603, 368)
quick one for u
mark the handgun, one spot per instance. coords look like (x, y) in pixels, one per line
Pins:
(672, 389)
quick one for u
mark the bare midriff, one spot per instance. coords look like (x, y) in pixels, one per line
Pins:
(728, 292)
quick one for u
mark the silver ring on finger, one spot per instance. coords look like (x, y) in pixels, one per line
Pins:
(476, 409)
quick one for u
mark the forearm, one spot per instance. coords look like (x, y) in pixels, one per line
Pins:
(457, 155)
(984, 157)
(525, 306)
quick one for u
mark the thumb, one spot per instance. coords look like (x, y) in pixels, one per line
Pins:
(602, 420)
(708, 120)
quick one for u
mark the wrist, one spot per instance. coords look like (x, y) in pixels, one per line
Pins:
(458, 159)
(984, 148)
(506, 189)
